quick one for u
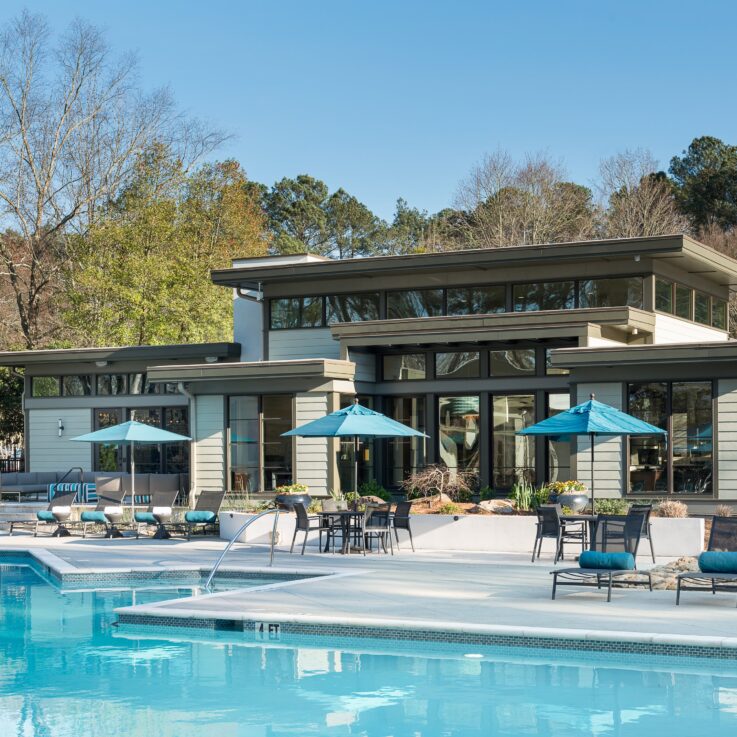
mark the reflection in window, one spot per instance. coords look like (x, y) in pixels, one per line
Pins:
(45, 386)
(277, 458)
(514, 362)
(243, 435)
(648, 462)
(684, 302)
(664, 296)
(108, 457)
(296, 312)
(404, 367)
(513, 456)
(457, 365)
(718, 314)
(544, 296)
(112, 384)
(611, 292)
(476, 300)
(551, 370)
(139, 384)
(459, 432)
(176, 455)
(406, 455)
(692, 437)
(148, 456)
(414, 303)
(353, 307)
(702, 308)
(76, 386)
(559, 451)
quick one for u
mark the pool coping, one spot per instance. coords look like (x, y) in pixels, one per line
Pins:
(169, 615)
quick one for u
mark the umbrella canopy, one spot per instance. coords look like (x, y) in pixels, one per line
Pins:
(130, 433)
(355, 422)
(594, 419)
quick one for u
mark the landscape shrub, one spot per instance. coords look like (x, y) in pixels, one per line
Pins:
(612, 506)
(671, 508)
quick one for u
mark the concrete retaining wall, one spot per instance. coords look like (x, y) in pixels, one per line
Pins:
(493, 534)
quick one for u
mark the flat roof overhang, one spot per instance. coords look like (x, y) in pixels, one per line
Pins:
(309, 368)
(689, 255)
(183, 352)
(497, 327)
(668, 353)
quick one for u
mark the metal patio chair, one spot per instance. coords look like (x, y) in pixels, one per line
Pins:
(307, 523)
(551, 526)
(400, 521)
(377, 523)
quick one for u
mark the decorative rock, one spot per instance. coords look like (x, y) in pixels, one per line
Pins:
(664, 576)
(498, 506)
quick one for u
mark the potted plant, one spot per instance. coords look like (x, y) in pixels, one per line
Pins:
(289, 495)
(571, 494)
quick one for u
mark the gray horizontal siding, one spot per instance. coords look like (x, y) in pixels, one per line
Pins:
(209, 442)
(48, 451)
(727, 439)
(311, 454)
(313, 343)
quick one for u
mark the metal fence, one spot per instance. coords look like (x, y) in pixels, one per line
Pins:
(12, 465)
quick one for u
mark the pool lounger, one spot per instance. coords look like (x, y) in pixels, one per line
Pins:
(597, 577)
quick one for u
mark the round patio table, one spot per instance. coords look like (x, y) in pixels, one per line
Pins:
(348, 527)
(591, 519)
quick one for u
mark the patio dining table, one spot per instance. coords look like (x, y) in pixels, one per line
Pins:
(349, 524)
(590, 528)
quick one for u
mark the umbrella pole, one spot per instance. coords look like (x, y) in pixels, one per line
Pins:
(133, 482)
(593, 508)
(355, 464)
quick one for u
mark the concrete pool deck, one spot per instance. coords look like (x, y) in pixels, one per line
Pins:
(450, 591)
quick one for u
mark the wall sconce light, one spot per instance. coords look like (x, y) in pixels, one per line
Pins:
(211, 359)
(101, 363)
(61, 428)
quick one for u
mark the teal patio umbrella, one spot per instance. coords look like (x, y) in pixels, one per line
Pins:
(594, 419)
(354, 422)
(130, 433)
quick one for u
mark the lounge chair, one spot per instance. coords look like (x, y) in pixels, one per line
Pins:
(159, 512)
(307, 523)
(376, 523)
(205, 512)
(551, 526)
(109, 510)
(613, 557)
(400, 521)
(719, 560)
(57, 513)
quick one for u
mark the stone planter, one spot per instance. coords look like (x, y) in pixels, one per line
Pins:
(287, 501)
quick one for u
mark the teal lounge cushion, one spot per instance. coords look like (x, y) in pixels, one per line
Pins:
(714, 561)
(146, 517)
(196, 517)
(607, 561)
(94, 516)
(45, 515)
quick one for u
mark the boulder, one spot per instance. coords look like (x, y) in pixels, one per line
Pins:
(664, 576)
(498, 506)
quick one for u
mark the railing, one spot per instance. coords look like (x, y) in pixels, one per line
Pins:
(12, 465)
(73, 468)
(235, 537)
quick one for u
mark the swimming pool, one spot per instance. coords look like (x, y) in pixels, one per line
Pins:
(66, 670)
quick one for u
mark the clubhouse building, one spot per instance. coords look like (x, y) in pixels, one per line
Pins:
(467, 346)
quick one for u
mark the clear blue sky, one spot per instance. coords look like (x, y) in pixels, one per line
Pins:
(395, 98)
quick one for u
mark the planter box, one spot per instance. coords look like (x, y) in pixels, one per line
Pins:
(672, 537)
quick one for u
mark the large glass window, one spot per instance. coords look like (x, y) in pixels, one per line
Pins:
(346, 460)
(684, 302)
(513, 456)
(691, 418)
(718, 314)
(702, 308)
(559, 451)
(551, 370)
(459, 432)
(557, 295)
(404, 367)
(108, 457)
(277, 419)
(76, 386)
(112, 384)
(512, 362)
(414, 303)
(406, 456)
(244, 439)
(616, 292)
(176, 455)
(139, 384)
(45, 386)
(148, 456)
(664, 295)
(457, 365)
(648, 455)
(476, 300)
(353, 307)
(296, 312)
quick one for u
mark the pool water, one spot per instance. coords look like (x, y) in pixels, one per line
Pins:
(66, 670)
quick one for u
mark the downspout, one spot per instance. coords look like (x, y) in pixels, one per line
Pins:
(14, 371)
(193, 431)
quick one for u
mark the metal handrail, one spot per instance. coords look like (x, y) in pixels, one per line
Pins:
(275, 512)
(73, 468)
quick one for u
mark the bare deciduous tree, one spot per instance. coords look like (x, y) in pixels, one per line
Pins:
(72, 122)
(639, 202)
(510, 204)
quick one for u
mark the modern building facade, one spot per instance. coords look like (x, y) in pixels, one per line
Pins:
(467, 346)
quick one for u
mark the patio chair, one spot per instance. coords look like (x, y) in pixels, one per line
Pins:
(718, 560)
(308, 523)
(108, 512)
(57, 513)
(159, 512)
(400, 521)
(338, 524)
(612, 559)
(205, 512)
(377, 523)
(647, 531)
(550, 525)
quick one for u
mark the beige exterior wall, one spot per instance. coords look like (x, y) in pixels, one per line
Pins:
(674, 330)
(727, 438)
(311, 454)
(48, 451)
(608, 480)
(209, 445)
(290, 344)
